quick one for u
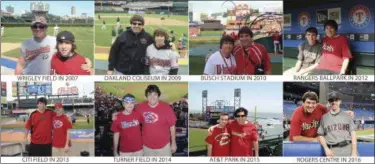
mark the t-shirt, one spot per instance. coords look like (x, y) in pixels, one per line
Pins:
(257, 53)
(38, 55)
(336, 127)
(219, 65)
(161, 60)
(40, 126)
(303, 124)
(156, 123)
(276, 37)
(61, 124)
(128, 126)
(309, 54)
(334, 51)
(242, 146)
(220, 141)
(71, 66)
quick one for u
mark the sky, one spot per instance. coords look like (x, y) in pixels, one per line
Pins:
(268, 97)
(219, 6)
(83, 88)
(59, 8)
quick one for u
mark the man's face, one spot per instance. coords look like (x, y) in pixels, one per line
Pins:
(59, 110)
(311, 38)
(65, 47)
(41, 105)
(159, 40)
(39, 30)
(330, 31)
(309, 105)
(153, 98)
(223, 121)
(137, 26)
(129, 106)
(227, 47)
(335, 104)
(245, 39)
(241, 117)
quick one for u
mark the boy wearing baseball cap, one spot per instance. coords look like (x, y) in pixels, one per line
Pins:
(126, 128)
(67, 61)
(61, 136)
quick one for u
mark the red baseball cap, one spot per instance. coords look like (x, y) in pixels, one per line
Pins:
(58, 105)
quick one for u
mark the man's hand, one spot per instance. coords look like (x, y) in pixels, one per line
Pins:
(211, 129)
(87, 66)
(354, 154)
(329, 152)
(109, 72)
(173, 147)
(350, 113)
(66, 148)
(115, 153)
(316, 139)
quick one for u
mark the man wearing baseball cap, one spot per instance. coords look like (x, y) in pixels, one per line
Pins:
(61, 135)
(67, 61)
(127, 130)
(337, 131)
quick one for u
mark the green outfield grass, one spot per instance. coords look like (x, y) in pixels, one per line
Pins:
(170, 92)
(84, 39)
(365, 132)
(197, 139)
(104, 37)
(212, 32)
(177, 17)
(80, 123)
(197, 66)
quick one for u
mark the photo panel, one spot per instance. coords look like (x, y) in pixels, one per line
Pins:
(47, 38)
(328, 112)
(346, 47)
(262, 23)
(235, 120)
(143, 118)
(57, 115)
(129, 27)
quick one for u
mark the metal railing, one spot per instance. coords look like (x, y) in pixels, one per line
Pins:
(10, 145)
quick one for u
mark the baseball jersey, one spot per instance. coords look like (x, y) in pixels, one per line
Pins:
(303, 124)
(161, 60)
(156, 123)
(219, 65)
(309, 54)
(69, 66)
(38, 55)
(128, 126)
(40, 125)
(336, 127)
(257, 53)
(242, 146)
(61, 125)
(334, 51)
(220, 141)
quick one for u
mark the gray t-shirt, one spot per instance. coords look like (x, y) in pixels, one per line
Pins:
(38, 55)
(308, 54)
(336, 127)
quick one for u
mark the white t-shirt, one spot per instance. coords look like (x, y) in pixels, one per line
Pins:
(217, 66)
(161, 61)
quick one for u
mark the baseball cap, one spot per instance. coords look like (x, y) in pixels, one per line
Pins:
(58, 105)
(128, 98)
(39, 19)
(65, 35)
(333, 97)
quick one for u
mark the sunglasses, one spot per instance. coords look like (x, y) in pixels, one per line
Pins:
(240, 116)
(40, 26)
(139, 24)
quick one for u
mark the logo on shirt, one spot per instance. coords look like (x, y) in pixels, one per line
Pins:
(143, 40)
(160, 62)
(308, 54)
(222, 139)
(125, 124)
(328, 47)
(222, 69)
(150, 117)
(311, 125)
(304, 19)
(32, 54)
(57, 124)
(359, 16)
(336, 127)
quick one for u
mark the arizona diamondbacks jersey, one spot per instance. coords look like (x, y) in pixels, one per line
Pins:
(161, 60)
(38, 55)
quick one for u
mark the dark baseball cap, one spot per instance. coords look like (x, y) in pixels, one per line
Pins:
(65, 36)
(39, 19)
(333, 97)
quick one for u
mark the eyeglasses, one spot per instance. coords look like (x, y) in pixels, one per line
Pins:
(240, 116)
(135, 24)
(40, 26)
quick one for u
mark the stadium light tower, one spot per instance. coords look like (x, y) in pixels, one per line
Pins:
(237, 98)
(204, 102)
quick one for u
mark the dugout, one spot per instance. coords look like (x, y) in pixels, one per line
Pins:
(355, 19)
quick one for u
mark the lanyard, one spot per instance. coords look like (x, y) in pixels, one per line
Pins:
(226, 64)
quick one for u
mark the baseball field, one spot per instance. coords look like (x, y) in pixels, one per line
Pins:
(14, 36)
(196, 139)
(170, 92)
(103, 37)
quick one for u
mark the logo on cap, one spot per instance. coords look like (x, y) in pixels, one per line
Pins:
(359, 16)
(63, 37)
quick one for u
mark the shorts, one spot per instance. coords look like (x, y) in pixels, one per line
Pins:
(40, 150)
(137, 153)
(345, 151)
(323, 72)
(58, 152)
(164, 151)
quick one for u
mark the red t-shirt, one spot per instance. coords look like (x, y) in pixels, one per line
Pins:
(242, 146)
(334, 51)
(61, 124)
(130, 131)
(41, 126)
(71, 66)
(156, 123)
(257, 53)
(220, 141)
(306, 125)
(276, 37)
